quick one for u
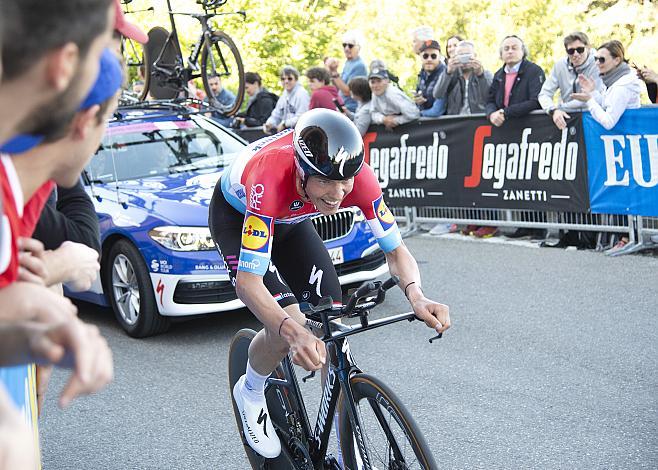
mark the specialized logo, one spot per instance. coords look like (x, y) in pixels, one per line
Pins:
(255, 196)
(249, 431)
(384, 214)
(316, 276)
(296, 205)
(256, 233)
(160, 289)
(324, 405)
(341, 157)
(262, 419)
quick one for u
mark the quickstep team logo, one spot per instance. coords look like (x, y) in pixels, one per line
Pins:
(256, 233)
(384, 215)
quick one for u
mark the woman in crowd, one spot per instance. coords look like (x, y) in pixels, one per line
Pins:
(622, 86)
(260, 105)
(293, 102)
(451, 45)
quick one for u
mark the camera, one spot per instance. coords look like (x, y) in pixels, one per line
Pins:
(465, 58)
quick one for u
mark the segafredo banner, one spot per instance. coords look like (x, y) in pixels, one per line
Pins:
(623, 163)
(467, 162)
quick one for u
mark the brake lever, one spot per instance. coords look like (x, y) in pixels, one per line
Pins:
(439, 336)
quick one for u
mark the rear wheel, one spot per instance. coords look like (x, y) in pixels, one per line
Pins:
(163, 63)
(221, 58)
(389, 432)
(128, 286)
(291, 450)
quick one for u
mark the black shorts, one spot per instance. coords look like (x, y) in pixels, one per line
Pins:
(300, 269)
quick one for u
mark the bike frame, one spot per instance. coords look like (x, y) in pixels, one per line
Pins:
(205, 38)
(341, 366)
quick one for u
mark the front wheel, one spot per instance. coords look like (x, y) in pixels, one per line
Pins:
(222, 59)
(390, 434)
(128, 286)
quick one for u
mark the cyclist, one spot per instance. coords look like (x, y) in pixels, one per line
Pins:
(259, 219)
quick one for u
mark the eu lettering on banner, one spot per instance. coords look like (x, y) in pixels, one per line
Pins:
(467, 162)
(623, 163)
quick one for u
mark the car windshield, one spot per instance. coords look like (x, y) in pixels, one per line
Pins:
(147, 149)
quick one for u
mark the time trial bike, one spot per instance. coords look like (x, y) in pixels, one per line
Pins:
(376, 431)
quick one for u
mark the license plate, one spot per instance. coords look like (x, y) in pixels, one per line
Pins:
(336, 255)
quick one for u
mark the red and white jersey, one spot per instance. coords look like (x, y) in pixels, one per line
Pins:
(261, 183)
(18, 220)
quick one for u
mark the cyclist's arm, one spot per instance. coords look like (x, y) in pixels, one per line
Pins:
(253, 293)
(403, 265)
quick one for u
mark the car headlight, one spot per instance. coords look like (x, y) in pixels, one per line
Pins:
(183, 238)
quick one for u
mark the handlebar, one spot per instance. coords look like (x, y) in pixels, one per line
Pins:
(322, 315)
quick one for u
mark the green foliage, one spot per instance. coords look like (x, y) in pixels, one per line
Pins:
(303, 32)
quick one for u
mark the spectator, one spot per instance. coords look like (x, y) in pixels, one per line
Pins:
(260, 105)
(564, 76)
(419, 36)
(433, 68)
(354, 67)
(292, 103)
(389, 105)
(451, 45)
(516, 85)
(322, 94)
(513, 94)
(41, 85)
(221, 95)
(465, 84)
(622, 92)
(650, 78)
(622, 86)
(221, 99)
(361, 93)
(138, 87)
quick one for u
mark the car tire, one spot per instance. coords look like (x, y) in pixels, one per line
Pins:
(130, 292)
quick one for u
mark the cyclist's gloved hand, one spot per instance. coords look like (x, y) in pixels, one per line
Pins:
(307, 351)
(434, 314)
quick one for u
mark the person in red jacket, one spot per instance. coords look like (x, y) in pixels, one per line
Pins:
(322, 94)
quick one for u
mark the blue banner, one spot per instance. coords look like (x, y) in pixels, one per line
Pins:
(623, 163)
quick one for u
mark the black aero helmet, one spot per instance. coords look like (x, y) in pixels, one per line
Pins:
(327, 144)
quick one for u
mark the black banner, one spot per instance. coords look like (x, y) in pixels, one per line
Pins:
(467, 162)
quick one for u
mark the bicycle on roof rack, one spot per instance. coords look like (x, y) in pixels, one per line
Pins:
(376, 431)
(213, 55)
(133, 54)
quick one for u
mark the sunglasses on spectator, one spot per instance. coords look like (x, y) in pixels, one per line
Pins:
(427, 56)
(347, 44)
(573, 50)
(287, 79)
(601, 60)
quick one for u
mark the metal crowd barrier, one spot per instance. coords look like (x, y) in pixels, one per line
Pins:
(639, 230)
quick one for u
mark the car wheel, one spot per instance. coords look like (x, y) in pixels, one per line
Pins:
(130, 292)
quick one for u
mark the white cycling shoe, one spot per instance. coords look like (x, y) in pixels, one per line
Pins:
(256, 423)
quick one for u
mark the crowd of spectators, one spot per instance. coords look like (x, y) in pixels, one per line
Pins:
(599, 80)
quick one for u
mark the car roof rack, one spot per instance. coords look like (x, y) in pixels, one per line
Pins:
(166, 108)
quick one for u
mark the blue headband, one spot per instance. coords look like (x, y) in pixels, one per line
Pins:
(108, 81)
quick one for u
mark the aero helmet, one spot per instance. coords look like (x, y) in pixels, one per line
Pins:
(327, 144)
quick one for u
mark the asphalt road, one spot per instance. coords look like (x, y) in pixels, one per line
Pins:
(551, 363)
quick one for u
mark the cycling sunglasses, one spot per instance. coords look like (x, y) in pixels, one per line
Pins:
(573, 50)
(348, 45)
(427, 56)
(287, 79)
(600, 60)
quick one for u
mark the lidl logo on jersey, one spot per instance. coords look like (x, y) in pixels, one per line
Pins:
(256, 233)
(384, 215)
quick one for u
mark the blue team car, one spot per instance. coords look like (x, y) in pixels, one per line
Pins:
(151, 181)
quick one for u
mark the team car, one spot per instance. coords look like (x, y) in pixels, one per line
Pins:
(151, 181)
